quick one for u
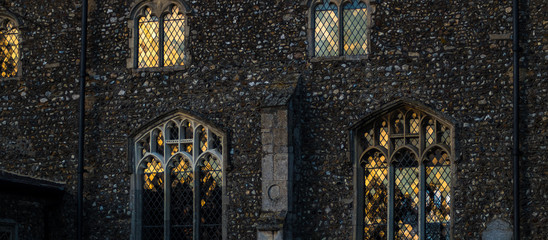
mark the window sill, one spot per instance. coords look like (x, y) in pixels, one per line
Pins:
(340, 58)
(161, 69)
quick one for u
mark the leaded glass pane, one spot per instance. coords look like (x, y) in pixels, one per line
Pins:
(375, 194)
(398, 142)
(210, 198)
(413, 123)
(383, 135)
(153, 200)
(149, 40)
(182, 211)
(172, 131)
(174, 38)
(429, 133)
(406, 199)
(203, 139)
(413, 141)
(143, 146)
(355, 28)
(216, 143)
(444, 134)
(326, 31)
(438, 200)
(159, 142)
(397, 124)
(9, 49)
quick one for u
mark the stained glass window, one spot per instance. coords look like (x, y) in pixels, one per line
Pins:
(337, 28)
(406, 184)
(180, 190)
(161, 40)
(9, 48)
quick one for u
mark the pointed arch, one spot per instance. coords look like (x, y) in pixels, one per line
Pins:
(417, 145)
(180, 157)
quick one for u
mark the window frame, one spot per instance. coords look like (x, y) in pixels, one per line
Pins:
(159, 8)
(312, 4)
(358, 171)
(136, 181)
(7, 16)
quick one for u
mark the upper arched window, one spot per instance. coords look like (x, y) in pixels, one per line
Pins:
(179, 181)
(404, 160)
(340, 28)
(161, 38)
(9, 47)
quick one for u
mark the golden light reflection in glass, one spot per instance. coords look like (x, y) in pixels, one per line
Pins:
(383, 135)
(153, 175)
(9, 49)
(326, 31)
(174, 38)
(375, 194)
(149, 40)
(355, 28)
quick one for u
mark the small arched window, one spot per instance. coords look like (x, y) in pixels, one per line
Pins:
(161, 38)
(179, 180)
(9, 47)
(404, 176)
(340, 28)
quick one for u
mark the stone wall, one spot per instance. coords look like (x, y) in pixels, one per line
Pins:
(452, 56)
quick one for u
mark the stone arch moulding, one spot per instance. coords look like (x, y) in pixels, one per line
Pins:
(157, 7)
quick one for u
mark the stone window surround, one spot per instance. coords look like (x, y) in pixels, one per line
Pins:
(18, 24)
(311, 5)
(133, 167)
(357, 217)
(159, 8)
(9, 225)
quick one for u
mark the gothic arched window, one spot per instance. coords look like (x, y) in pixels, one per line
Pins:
(9, 47)
(161, 38)
(404, 176)
(179, 180)
(340, 28)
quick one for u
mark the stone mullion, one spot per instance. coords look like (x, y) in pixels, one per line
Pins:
(161, 41)
(167, 201)
(341, 30)
(422, 201)
(196, 192)
(391, 193)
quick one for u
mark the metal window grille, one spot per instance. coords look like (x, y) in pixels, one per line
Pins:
(340, 30)
(161, 41)
(181, 189)
(402, 197)
(9, 48)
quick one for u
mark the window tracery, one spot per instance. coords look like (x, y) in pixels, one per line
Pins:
(179, 188)
(404, 170)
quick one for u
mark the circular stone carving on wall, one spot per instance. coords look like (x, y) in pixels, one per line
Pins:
(274, 192)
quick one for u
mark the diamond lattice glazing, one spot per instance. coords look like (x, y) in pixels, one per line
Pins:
(174, 38)
(210, 198)
(182, 187)
(153, 200)
(9, 50)
(326, 32)
(375, 194)
(355, 28)
(406, 202)
(149, 41)
(438, 200)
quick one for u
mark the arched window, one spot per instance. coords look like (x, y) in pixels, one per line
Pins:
(161, 38)
(340, 28)
(9, 47)
(404, 175)
(179, 180)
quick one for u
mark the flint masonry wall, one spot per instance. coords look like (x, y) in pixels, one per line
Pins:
(452, 56)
